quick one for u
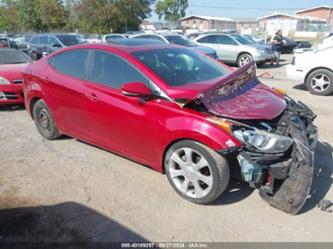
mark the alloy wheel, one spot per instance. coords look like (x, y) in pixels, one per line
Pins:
(245, 59)
(190, 172)
(320, 82)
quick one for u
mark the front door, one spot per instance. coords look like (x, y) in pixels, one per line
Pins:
(126, 125)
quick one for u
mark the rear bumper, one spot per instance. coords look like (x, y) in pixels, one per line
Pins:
(11, 94)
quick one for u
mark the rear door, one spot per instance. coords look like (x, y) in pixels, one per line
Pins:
(65, 90)
(126, 125)
(228, 48)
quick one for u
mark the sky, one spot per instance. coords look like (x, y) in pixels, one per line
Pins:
(247, 8)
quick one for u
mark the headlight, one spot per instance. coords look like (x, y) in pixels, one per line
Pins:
(4, 81)
(264, 141)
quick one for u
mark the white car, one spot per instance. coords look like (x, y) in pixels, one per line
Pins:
(314, 68)
(110, 37)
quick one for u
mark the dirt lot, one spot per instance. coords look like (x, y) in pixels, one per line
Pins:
(67, 190)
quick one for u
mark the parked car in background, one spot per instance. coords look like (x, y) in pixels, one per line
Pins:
(179, 40)
(4, 42)
(44, 44)
(193, 35)
(134, 42)
(236, 49)
(288, 45)
(12, 62)
(110, 37)
(315, 69)
(179, 112)
(93, 38)
(23, 41)
(303, 44)
(255, 38)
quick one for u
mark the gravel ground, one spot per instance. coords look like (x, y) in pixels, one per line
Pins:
(66, 190)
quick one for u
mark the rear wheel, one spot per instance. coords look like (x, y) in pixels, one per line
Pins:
(244, 59)
(196, 172)
(44, 121)
(320, 82)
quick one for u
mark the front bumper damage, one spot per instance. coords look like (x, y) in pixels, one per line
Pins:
(284, 179)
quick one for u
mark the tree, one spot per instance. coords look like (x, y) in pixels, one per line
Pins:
(8, 20)
(51, 14)
(171, 10)
(104, 16)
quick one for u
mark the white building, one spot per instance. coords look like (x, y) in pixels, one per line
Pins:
(291, 24)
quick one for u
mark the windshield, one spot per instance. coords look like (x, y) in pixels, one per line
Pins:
(242, 40)
(180, 40)
(68, 40)
(180, 66)
(13, 57)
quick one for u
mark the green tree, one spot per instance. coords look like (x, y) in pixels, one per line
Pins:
(8, 15)
(171, 10)
(104, 16)
(27, 17)
(51, 14)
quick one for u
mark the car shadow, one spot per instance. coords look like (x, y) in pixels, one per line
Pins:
(12, 108)
(65, 224)
(300, 87)
(322, 179)
(235, 192)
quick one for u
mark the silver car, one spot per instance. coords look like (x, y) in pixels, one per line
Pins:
(236, 49)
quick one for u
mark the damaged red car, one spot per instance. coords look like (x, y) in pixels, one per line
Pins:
(181, 113)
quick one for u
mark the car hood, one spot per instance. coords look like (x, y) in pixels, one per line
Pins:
(240, 96)
(203, 49)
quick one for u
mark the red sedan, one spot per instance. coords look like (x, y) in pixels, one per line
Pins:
(12, 62)
(179, 112)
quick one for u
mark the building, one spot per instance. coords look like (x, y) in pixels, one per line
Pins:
(247, 26)
(322, 12)
(292, 24)
(152, 26)
(208, 23)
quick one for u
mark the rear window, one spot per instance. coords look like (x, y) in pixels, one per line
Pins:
(68, 40)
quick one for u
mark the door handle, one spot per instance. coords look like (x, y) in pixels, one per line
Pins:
(91, 96)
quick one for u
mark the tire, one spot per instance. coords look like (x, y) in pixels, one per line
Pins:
(44, 121)
(320, 82)
(244, 59)
(206, 164)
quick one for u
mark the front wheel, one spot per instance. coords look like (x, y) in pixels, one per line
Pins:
(244, 59)
(196, 172)
(320, 82)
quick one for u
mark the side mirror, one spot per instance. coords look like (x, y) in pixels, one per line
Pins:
(135, 89)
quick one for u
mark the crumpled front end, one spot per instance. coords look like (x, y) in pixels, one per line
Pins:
(277, 157)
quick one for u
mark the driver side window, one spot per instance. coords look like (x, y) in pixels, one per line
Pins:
(111, 70)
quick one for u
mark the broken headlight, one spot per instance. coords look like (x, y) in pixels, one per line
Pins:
(264, 141)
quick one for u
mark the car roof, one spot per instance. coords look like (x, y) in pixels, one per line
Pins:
(124, 48)
(135, 41)
(55, 34)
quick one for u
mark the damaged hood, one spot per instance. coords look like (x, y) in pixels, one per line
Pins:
(241, 95)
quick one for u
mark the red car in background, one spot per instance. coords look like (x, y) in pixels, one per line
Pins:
(12, 62)
(179, 112)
